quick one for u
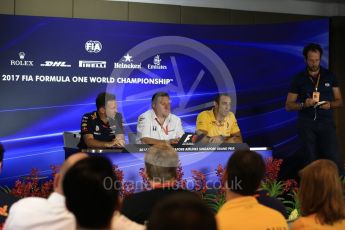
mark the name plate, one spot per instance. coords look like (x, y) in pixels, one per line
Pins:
(140, 148)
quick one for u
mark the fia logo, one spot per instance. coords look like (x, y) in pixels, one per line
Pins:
(93, 46)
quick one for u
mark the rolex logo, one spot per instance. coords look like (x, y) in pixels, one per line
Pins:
(21, 62)
(21, 55)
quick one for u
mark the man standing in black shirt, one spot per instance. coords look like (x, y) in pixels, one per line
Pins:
(102, 128)
(314, 93)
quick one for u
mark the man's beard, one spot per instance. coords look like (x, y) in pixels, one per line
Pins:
(313, 68)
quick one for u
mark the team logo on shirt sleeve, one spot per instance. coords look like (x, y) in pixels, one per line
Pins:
(141, 122)
(85, 119)
(94, 116)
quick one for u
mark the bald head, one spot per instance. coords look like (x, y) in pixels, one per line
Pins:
(68, 163)
(161, 162)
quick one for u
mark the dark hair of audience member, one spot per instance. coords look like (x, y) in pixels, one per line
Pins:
(321, 192)
(103, 98)
(91, 191)
(182, 211)
(245, 170)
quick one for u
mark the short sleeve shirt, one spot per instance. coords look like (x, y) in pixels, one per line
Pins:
(246, 213)
(148, 126)
(206, 121)
(92, 124)
(304, 85)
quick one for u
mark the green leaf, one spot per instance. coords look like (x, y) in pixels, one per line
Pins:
(274, 188)
(214, 201)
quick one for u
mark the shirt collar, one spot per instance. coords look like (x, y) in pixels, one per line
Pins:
(214, 118)
(306, 73)
(240, 201)
(99, 119)
(57, 198)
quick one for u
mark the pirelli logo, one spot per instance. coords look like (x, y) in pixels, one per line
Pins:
(92, 64)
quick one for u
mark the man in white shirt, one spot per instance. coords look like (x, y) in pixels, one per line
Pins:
(158, 125)
(38, 213)
(121, 222)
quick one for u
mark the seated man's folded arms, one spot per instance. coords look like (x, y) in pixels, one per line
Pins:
(219, 125)
(102, 128)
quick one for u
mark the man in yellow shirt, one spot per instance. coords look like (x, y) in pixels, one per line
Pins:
(244, 172)
(219, 124)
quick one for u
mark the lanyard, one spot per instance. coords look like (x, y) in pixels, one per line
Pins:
(317, 83)
(166, 130)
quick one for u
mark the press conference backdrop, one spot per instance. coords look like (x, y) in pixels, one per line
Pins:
(53, 68)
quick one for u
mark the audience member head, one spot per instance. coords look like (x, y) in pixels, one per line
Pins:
(321, 192)
(67, 164)
(161, 104)
(91, 191)
(2, 151)
(183, 211)
(244, 172)
(106, 104)
(161, 162)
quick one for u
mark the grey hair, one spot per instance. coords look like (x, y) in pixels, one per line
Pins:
(161, 162)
